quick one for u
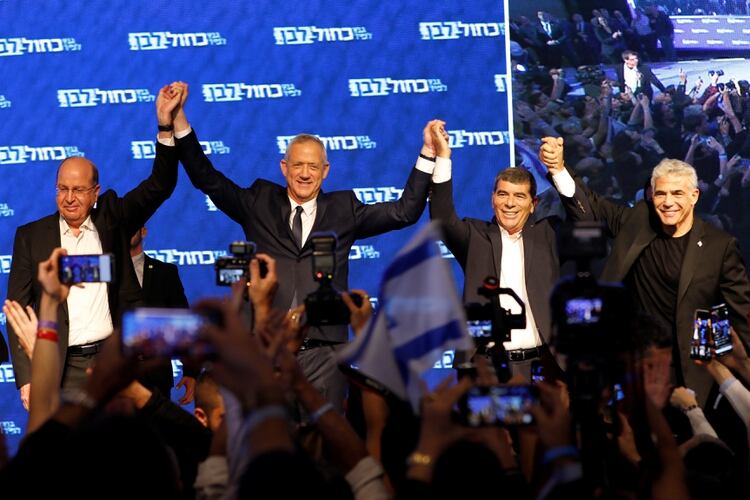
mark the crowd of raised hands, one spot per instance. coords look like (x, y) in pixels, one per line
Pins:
(280, 438)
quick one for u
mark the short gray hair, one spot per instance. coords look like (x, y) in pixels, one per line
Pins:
(301, 138)
(677, 168)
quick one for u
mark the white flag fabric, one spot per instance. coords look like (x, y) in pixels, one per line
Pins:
(419, 317)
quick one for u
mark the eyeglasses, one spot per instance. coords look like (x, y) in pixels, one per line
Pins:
(75, 191)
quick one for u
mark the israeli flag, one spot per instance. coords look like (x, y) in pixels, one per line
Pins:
(420, 317)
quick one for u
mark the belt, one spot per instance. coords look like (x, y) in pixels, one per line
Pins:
(85, 349)
(526, 354)
(309, 343)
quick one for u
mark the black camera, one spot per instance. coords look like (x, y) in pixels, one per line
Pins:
(488, 322)
(325, 306)
(234, 267)
(718, 72)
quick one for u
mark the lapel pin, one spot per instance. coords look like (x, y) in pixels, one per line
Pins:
(700, 243)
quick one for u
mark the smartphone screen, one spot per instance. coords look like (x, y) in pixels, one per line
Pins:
(537, 372)
(86, 268)
(157, 332)
(700, 347)
(499, 405)
(720, 327)
(581, 310)
(480, 328)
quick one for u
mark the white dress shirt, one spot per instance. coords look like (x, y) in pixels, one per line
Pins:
(138, 262)
(309, 208)
(88, 306)
(632, 77)
(513, 276)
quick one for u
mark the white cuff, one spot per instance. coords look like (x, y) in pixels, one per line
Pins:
(442, 171)
(425, 166)
(183, 133)
(564, 183)
(166, 142)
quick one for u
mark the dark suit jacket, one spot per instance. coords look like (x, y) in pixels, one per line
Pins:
(116, 220)
(712, 269)
(477, 246)
(647, 79)
(162, 286)
(263, 211)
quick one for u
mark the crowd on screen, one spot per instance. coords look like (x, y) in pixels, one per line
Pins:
(601, 38)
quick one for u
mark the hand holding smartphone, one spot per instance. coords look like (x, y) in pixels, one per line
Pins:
(506, 405)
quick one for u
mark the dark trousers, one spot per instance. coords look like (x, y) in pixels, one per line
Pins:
(74, 372)
(321, 368)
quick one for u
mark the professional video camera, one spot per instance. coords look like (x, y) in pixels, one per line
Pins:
(325, 306)
(490, 325)
(232, 268)
(591, 78)
(592, 328)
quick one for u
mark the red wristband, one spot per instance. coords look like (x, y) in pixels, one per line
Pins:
(47, 334)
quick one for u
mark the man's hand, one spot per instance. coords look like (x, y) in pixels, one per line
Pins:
(167, 103)
(551, 154)
(682, 398)
(428, 148)
(360, 314)
(24, 392)
(49, 278)
(24, 323)
(262, 290)
(189, 384)
(440, 140)
(683, 77)
(715, 145)
(656, 369)
(180, 119)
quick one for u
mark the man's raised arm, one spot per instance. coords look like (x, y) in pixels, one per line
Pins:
(226, 195)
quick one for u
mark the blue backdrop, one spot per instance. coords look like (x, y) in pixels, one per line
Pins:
(80, 78)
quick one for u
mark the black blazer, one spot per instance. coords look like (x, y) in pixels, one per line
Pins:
(647, 79)
(263, 211)
(116, 220)
(477, 246)
(162, 286)
(712, 269)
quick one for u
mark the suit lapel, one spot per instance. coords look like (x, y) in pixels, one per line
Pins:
(320, 211)
(693, 254)
(497, 246)
(148, 270)
(52, 241)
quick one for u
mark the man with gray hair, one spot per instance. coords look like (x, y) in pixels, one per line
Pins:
(672, 261)
(279, 220)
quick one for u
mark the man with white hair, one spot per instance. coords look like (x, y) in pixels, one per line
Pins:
(672, 261)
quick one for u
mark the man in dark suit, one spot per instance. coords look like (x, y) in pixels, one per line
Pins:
(520, 252)
(279, 220)
(638, 78)
(87, 317)
(162, 287)
(672, 261)
(555, 41)
(585, 43)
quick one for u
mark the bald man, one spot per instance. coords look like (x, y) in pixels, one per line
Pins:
(88, 315)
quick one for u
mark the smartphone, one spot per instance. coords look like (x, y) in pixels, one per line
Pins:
(498, 405)
(537, 372)
(720, 330)
(156, 332)
(700, 347)
(86, 268)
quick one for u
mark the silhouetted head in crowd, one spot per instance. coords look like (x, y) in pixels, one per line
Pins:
(467, 470)
(712, 470)
(209, 404)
